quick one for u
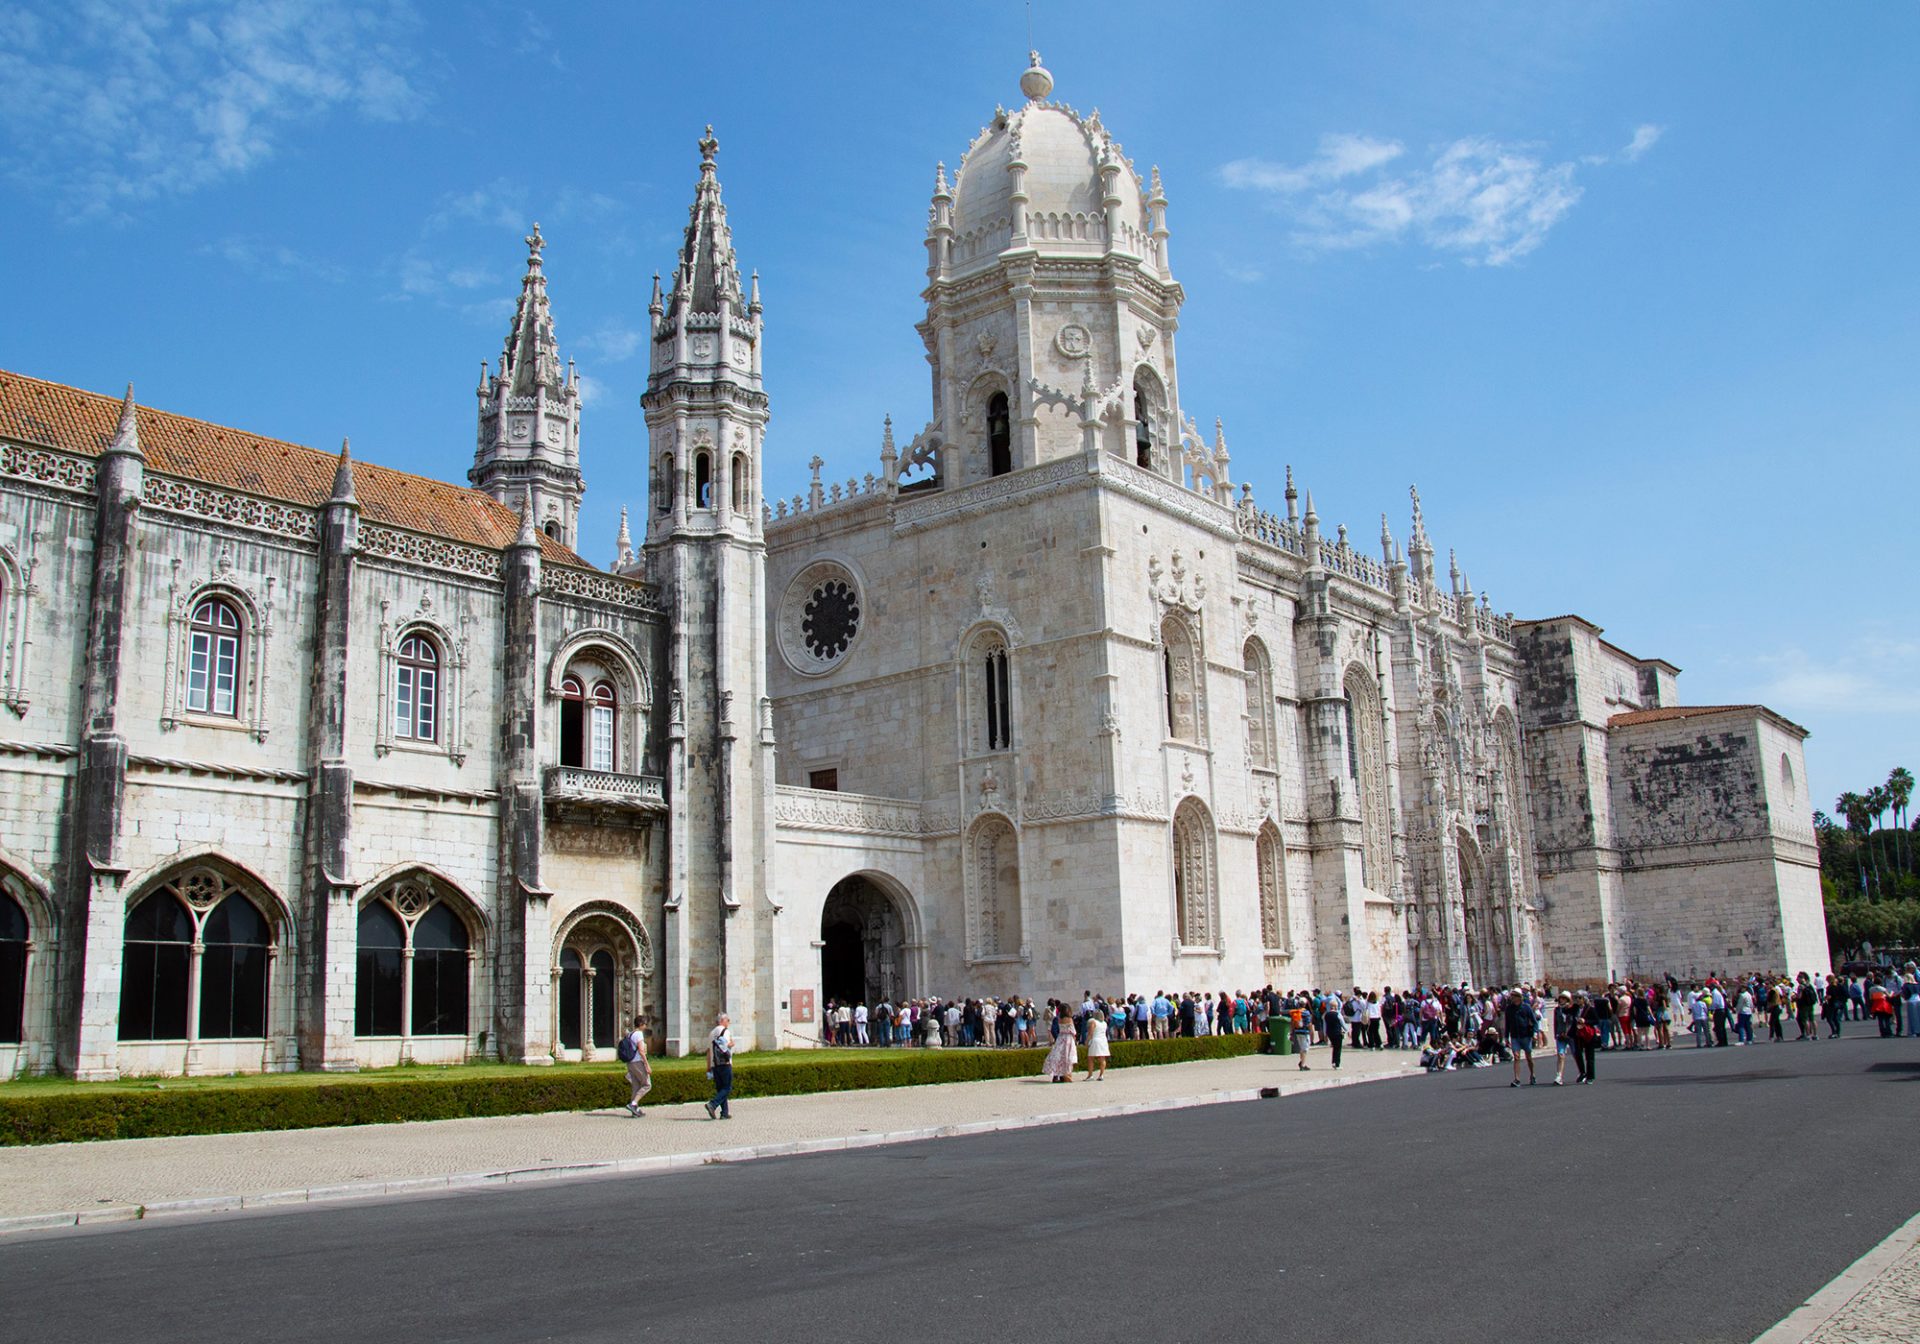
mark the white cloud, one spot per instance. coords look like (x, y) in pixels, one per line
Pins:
(1488, 202)
(591, 389)
(1872, 675)
(612, 342)
(112, 103)
(419, 276)
(272, 261)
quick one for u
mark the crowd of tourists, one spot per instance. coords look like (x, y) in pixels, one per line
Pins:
(1453, 1027)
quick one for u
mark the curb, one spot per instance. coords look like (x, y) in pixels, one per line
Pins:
(1813, 1314)
(645, 1166)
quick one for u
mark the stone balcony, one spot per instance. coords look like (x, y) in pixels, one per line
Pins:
(569, 786)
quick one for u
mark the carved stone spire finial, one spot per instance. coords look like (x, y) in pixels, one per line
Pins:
(343, 477)
(126, 434)
(1036, 81)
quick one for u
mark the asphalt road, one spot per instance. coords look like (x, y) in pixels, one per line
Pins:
(1687, 1197)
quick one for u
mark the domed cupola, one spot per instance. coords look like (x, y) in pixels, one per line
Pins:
(1047, 272)
(1044, 177)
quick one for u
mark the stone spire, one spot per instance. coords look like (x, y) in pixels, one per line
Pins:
(532, 356)
(1420, 548)
(529, 439)
(126, 434)
(623, 544)
(708, 274)
(343, 477)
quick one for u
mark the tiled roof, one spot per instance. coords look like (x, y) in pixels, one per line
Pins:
(67, 419)
(1673, 712)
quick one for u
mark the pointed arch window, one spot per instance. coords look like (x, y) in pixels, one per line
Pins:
(415, 966)
(13, 970)
(196, 963)
(1194, 894)
(1142, 428)
(416, 690)
(999, 435)
(1262, 752)
(214, 638)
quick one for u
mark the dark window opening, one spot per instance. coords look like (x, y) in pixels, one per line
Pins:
(824, 779)
(233, 971)
(1166, 667)
(573, 723)
(13, 971)
(999, 435)
(1142, 429)
(439, 974)
(603, 1000)
(153, 976)
(552, 528)
(377, 1003)
(999, 702)
(570, 982)
(702, 481)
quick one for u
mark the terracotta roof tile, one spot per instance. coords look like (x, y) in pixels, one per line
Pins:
(67, 419)
(1667, 712)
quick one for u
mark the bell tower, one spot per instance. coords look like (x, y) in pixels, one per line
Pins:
(529, 440)
(706, 416)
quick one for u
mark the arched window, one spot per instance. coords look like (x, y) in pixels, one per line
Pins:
(416, 690)
(1786, 776)
(156, 968)
(702, 481)
(1193, 875)
(378, 1004)
(1180, 662)
(571, 974)
(233, 971)
(600, 717)
(993, 709)
(605, 986)
(995, 879)
(552, 528)
(663, 486)
(415, 965)
(573, 722)
(737, 478)
(213, 659)
(1367, 766)
(1142, 428)
(439, 973)
(1261, 749)
(13, 970)
(999, 436)
(1269, 857)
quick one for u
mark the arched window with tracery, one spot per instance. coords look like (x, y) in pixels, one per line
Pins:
(196, 962)
(602, 712)
(214, 638)
(988, 693)
(416, 690)
(1367, 767)
(1194, 891)
(1180, 666)
(999, 435)
(14, 939)
(1262, 751)
(995, 880)
(415, 966)
(1270, 861)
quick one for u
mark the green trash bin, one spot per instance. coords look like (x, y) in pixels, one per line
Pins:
(1280, 1034)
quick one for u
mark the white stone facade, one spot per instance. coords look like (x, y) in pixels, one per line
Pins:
(1045, 703)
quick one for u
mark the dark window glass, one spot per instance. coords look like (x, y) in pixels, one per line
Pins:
(824, 779)
(376, 996)
(570, 985)
(702, 481)
(439, 974)
(13, 970)
(1166, 666)
(233, 971)
(1142, 429)
(153, 976)
(999, 435)
(603, 999)
(573, 723)
(999, 702)
(1353, 747)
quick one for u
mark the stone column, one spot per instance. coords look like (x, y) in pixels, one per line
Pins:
(521, 988)
(87, 983)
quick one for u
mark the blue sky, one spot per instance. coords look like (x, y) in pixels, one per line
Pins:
(1630, 291)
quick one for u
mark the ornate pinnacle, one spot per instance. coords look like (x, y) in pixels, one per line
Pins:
(527, 536)
(888, 453)
(940, 187)
(535, 246)
(343, 477)
(126, 434)
(708, 146)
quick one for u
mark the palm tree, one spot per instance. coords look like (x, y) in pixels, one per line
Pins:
(1900, 792)
(1859, 817)
(1877, 804)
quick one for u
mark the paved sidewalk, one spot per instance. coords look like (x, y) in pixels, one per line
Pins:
(1876, 1301)
(57, 1185)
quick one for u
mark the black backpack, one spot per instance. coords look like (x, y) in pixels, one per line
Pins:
(627, 1051)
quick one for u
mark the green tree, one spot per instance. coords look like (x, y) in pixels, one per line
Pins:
(1853, 807)
(1900, 793)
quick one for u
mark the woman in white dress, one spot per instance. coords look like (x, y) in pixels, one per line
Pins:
(1059, 1062)
(1097, 1050)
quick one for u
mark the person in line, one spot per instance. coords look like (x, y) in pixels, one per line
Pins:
(632, 1051)
(720, 1067)
(1586, 1035)
(1805, 999)
(1565, 1018)
(1335, 1026)
(1097, 1049)
(1521, 1024)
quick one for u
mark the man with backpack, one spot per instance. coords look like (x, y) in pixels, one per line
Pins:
(1522, 1023)
(632, 1051)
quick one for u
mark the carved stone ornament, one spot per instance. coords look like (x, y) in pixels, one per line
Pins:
(821, 618)
(1074, 341)
(1145, 336)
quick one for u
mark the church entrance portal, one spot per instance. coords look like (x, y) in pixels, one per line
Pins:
(863, 940)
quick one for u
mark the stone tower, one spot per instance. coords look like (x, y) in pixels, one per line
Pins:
(529, 441)
(1047, 265)
(706, 425)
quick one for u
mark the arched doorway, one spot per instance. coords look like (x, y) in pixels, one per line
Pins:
(863, 944)
(601, 965)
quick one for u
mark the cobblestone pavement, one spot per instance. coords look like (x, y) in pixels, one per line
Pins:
(1877, 1301)
(115, 1179)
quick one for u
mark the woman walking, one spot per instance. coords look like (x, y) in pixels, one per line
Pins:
(1097, 1050)
(1058, 1065)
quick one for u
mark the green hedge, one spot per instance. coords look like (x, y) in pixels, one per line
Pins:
(72, 1116)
